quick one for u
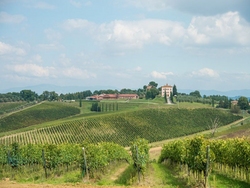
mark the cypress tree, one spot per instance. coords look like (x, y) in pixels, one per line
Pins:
(165, 96)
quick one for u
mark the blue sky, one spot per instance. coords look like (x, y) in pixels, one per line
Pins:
(195, 44)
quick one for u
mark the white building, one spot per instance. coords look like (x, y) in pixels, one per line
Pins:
(168, 89)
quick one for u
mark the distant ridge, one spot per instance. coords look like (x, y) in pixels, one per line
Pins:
(234, 94)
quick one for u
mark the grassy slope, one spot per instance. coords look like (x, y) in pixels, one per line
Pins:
(10, 105)
(122, 128)
(40, 113)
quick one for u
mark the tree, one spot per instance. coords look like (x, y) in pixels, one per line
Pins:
(152, 93)
(96, 107)
(152, 83)
(195, 93)
(45, 95)
(53, 96)
(243, 103)
(49, 95)
(165, 96)
(80, 103)
(28, 95)
(214, 125)
(212, 102)
(171, 97)
(235, 109)
(174, 90)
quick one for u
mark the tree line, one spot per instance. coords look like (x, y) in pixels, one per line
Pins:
(149, 91)
(29, 95)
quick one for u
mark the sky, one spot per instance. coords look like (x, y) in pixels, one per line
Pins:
(195, 44)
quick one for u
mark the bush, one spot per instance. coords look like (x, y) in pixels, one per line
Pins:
(95, 107)
(235, 109)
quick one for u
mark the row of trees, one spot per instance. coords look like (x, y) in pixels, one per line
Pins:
(28, 95)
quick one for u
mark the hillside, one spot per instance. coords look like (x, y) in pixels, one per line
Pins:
(151, 124)
(155, 124)
(37, 114)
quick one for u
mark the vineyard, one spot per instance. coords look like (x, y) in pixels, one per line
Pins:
(11, 106)
(122, 128)
(44, 112)
(50, 160)
(198, 157)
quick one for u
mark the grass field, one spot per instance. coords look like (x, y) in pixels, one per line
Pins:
(37, 114)
(10, 105)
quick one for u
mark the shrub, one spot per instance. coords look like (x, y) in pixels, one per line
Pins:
(235, 109)
(95, 107)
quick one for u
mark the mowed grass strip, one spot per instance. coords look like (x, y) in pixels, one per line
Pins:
(41, 113)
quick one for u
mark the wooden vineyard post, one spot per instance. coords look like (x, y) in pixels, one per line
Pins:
(44, 164)
(85, 163)
(138, 169)
(207, 167)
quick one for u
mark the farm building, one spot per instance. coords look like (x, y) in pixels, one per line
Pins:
(128, 96)
(113, 96)
(110, 96)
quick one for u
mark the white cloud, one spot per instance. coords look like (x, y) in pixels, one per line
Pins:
(76, 3)
(72, 24)
(8, 18)
(88, 3)
(161, 75)
(8, 49)
(137, 33)
(44, 5)
(130, 34)
(123, 75)
(149, 4)
(77, 73)
(225, 29)
(138, 68)
(195, 7)
(64, 60)
(37, 58)
(206, 72)
(52, 34)
(32, 70)
(51, 46)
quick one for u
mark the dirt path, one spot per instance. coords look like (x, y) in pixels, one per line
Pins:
(154, 153)
(8, 184)
(116, 175)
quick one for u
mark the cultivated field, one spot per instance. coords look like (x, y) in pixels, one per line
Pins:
(56, 142)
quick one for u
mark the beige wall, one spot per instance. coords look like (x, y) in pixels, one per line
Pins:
(168, 90)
